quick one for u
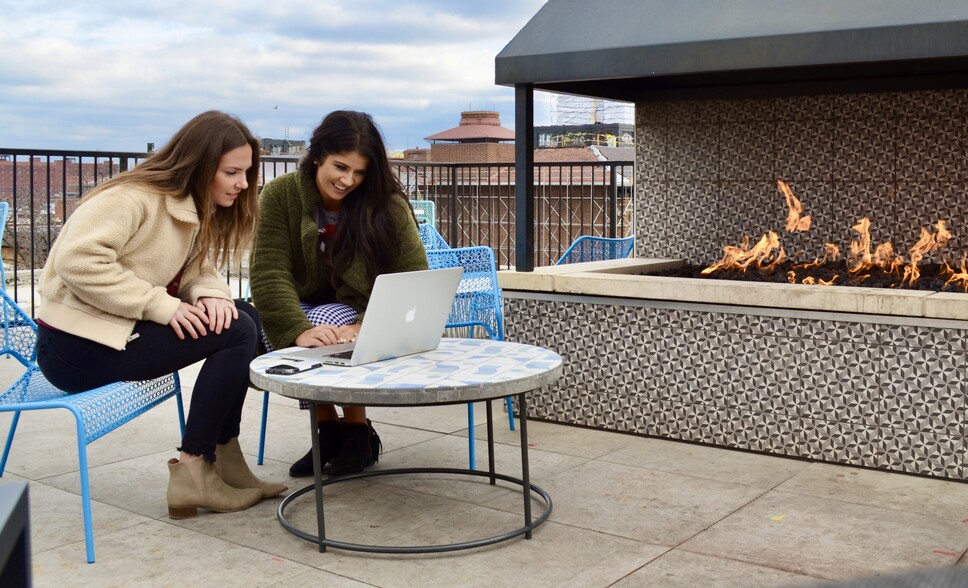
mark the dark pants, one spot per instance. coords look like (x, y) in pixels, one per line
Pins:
(75, 364)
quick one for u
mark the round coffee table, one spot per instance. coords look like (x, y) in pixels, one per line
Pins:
(459, 371)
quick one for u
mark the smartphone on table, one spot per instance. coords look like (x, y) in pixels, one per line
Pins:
(284, 369)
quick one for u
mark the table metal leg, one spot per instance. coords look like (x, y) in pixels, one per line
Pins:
(490, 443)
(525, 470)
(525, 482)
(471, 448)
(318, 475)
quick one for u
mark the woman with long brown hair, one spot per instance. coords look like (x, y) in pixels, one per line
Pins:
(131, 291)
(326, 232)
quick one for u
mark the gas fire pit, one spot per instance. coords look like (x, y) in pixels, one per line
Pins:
(860, 107)
(865, 266)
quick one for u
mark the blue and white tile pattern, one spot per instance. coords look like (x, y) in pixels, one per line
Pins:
(459, 370)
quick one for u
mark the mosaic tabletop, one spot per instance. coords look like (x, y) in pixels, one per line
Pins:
(458, 371)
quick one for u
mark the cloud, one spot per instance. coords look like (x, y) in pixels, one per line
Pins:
(116, 75)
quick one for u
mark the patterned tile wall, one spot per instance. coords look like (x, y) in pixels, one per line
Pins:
(874, 395)
(706, 171)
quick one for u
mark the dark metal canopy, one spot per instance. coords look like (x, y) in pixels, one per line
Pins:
(636, 50)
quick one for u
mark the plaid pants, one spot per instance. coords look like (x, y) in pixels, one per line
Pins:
(324, 314)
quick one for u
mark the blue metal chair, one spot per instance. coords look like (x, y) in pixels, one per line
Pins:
(97, 412)
(431, 238)
(588, 248)
(478, 309)
(425, 211)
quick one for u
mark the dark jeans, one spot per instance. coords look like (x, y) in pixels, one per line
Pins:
(75, 364)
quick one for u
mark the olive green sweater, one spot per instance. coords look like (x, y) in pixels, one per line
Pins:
(285, 258)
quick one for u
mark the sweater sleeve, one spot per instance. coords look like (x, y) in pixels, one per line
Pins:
(205, 282)
(89, 261)
(272, 266)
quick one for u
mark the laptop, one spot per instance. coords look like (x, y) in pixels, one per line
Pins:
(406, 314)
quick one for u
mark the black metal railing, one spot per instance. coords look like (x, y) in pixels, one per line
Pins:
(474, 203)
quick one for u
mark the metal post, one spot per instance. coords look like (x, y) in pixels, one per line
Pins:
(612, 200)
(525, 467)
(317, 477)
(452, 220)
(524, 177)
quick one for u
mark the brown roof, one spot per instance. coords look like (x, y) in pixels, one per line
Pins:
(476, 125)
(469, 132)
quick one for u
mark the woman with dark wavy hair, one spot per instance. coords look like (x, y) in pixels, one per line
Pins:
(326, 232)
(131, 291)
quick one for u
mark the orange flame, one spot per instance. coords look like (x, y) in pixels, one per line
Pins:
(829, 282)
(860, 250)
(959, 278)
(812, 281)
(794, 221)
(926, 244)
(743, 256)
(862, 259)
(831, 253)
(768, 253)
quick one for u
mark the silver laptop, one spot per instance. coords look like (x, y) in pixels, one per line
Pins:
(406, 314)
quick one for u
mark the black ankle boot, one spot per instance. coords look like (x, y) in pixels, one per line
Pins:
(376, 446)
(354, 453)
(330, 440)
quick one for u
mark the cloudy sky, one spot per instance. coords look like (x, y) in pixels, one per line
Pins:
(118, 74)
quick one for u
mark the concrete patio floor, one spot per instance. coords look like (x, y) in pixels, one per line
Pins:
(628, 511)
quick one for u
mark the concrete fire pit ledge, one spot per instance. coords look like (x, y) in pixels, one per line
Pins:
(627, 278)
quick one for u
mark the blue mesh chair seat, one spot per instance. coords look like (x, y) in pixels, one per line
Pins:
(97, 412)
(588, 248)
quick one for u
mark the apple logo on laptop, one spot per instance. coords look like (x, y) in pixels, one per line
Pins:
(411, 314)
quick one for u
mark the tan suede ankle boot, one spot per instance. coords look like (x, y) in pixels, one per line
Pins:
(231, 467)
(194, 484)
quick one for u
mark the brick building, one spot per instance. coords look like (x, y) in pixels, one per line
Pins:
(479, 138)
(43, 176)
(572, 186)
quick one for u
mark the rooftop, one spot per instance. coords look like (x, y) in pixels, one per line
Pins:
(628, 511)
(475, 126)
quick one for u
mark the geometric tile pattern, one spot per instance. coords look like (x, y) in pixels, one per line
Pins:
(706, 170)
(884, 396)
(861, 393)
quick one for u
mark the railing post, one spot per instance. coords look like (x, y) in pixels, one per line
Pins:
(452, 224)
(612, 200)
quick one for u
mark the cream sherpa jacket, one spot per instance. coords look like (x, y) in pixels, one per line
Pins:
(112, 262)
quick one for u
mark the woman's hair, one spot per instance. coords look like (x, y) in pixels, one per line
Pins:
(365, 226)
(185, 167)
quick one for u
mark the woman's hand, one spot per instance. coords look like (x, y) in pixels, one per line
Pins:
(319, 335)
(348, 333)
(189, 318)
(221, 312)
